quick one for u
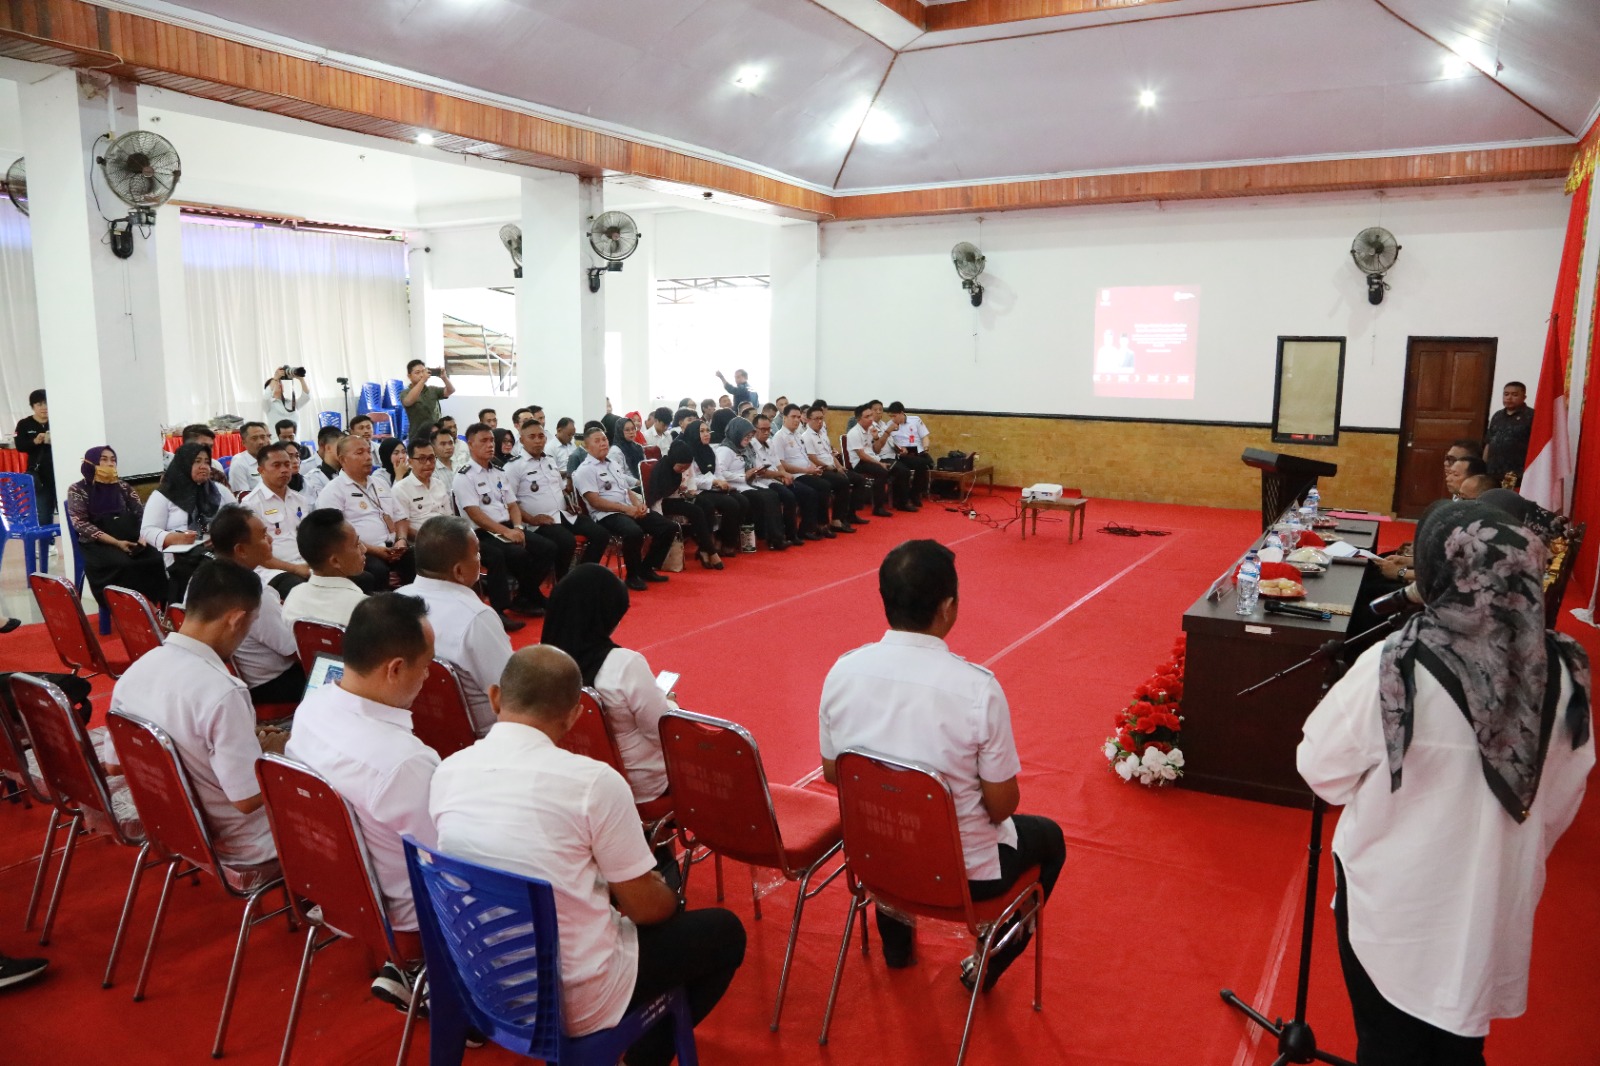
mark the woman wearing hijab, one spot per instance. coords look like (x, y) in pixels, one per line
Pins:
(624, 448)
(716, 492)
(719, 423)
(505, 442)
(179, 513)
(764, 508)
(584, 611)
(674, 491)
(1459, 749)
(106, 515)
(393, 462)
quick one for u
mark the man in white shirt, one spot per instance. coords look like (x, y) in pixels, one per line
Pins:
(622, 513)
(444, 457)
(185, 688)
(788, 443)
(819, 451)
(564, 445)
(539, 484)
(267, 659)
(865, 442)
(909, 698)
(422, 494)
(799, 502)
(371, 509)
(336, 556)
(324, 466)
(658, 429)
(911, 442)
(484, 497)
(357, 734)
(280, 508)
(242, 472)
(467, 632)
(517, 802)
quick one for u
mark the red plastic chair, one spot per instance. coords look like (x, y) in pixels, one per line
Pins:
(135, 622)
(68, 626)
(330, 879)
(175, 616)
(178, 837)
(14, 748)
(651, 452)
(440, 717)
(591, 736)
(924, 871)
(77, 788)
(314, 638)
(722, 798)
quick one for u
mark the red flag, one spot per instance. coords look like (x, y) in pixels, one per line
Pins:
(1547, 480)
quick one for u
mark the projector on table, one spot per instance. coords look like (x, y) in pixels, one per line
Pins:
(1042, 491)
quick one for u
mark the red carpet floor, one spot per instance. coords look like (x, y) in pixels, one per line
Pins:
(1167, 895)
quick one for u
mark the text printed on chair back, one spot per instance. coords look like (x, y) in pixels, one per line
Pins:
(900, 832)
(439, 714)
(719, 787)
(136, 623)
(161, 791)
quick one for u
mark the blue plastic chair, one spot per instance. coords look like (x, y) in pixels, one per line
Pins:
(330, 418)
(77, 581)
(494, 964)
(19, 511)
(394, 388)
(371, 398)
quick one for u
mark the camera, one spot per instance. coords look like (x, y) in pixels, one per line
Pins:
(342, 381)
(292, 371)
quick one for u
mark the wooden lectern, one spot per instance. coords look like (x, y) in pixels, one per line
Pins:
(1284, 479)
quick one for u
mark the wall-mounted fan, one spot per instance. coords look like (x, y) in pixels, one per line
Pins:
(511, 237)
(614, 236)
(969, 264)
(17, 184)
(1375, 251)
(142, 169)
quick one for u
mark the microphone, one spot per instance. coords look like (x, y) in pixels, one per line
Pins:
(1404, 599)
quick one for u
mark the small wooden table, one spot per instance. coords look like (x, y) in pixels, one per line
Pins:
(966, 480)
(1077, 508)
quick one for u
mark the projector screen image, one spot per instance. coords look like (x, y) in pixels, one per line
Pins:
(1145, 341)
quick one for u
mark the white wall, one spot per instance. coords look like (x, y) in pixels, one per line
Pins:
(694, 244)
(893, 321)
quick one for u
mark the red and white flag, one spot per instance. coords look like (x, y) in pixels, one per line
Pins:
(1547, 480)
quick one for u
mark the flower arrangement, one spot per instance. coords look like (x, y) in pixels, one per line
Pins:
(1145, 747)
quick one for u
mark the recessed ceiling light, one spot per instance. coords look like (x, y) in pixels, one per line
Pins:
(1456, 66)
(748, 77)
(424, 138)
(1147, 98)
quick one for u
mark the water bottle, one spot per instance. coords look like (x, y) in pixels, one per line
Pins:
(1249, 584)
(1310, 509)
(1291, 530)
(1273, 541)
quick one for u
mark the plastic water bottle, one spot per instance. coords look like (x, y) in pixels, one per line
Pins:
(1249, 584)
(1273, 541)
(1310, 508)
(1291, 530)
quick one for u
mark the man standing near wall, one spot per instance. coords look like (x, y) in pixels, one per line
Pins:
(422, 400)
(1506, 446)
(740, 389)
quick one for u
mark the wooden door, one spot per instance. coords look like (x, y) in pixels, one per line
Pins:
(1449, 386)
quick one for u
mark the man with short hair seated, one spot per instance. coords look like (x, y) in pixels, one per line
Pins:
(325, 467)
(788, 444)
(622, 512)
(467, 632)
(288, 431)
(242, 468)
(1473, 486)
(356, 733)
(561, 448)
(361, 426)
(865, 442)
(489, 417)
(371, 509)
(485, 497)
(910, 698)
(423, 494)
(539, 483)
(444, 456)
(1461, 461)
(280, 509)
(185, 688)
(819, 450)
(267, 659)
(910, 436)
(517, 802)
(336, 555)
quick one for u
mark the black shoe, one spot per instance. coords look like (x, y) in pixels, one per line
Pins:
(845, 529)
(810, 534)
(796, 541)
(510, 625)
(882, 512)
(916, 505)
(857, 520)
(393, 985)
(904, 507)
(528, 608)
(19, 971)
(12, 623)
(652, 576)
(777, 545)
(637, 584)
(825, 533)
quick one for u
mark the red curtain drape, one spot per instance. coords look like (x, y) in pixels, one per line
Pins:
(1586, 496)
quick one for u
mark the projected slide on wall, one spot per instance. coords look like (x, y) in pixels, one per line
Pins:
(1146, 338)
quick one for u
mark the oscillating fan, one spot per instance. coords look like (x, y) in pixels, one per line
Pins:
(142, 168)
(614, 236)
(511, 237)
(1375, 251)
(17, 184)
(969, 264)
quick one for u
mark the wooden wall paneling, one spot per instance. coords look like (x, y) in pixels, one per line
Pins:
(966, 14)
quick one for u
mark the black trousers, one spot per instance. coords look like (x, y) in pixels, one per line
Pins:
(734, 511)
(790, 508)
(697, 513)
(528, 562)
(1385, 1034)
(920, 465)
(1039, 843)
(660, 529)
(894, 479)
(375, 578)
(842, 487)
(698, 950)
(812, 505)
(564, 538)
(766, 514)
(287, 687)
(144, 571)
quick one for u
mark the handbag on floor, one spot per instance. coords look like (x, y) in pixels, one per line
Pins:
(673, 564)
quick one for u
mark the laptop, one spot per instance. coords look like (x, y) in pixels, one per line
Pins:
(327, 670)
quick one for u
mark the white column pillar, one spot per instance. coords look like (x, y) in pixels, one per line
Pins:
(628, 296)
(560, 323)
(795, 253)
(427, 320)
(183, 405)
(100, 317)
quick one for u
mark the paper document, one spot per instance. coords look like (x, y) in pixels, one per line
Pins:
(1340, 549)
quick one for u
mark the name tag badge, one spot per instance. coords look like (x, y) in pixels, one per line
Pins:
(484, 498)
(364, 505)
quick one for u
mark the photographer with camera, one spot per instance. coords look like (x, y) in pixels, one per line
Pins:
(420, 399)
(287, 394)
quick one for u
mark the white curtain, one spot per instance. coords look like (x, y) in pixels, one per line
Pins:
(21, 363)
(263, 297)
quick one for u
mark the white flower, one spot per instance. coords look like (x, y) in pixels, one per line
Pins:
(1175, 758)
(1125, 767)
(1154, 759)
(1111, 749)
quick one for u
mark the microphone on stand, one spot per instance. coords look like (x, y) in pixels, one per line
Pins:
(1406, 599)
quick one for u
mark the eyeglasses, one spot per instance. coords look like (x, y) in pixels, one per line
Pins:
(1451, 460)
(415, 459)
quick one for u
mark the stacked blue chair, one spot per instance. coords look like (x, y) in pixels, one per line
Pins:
(493, 951)
(393, 390)
(19, 510)
(371, 398)
(330, 418)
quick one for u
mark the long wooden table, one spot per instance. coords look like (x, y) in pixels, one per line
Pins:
(1244, 746)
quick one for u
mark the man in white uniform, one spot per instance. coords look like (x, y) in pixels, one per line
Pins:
(372, 511)
(819, 450)
(322, 467)
(467, 633)
(517, 802)
(267, 659)
(911, 441)
(622, 513)
(281, 508)
(336, 556)
(242, 472)
(423, 494)
(909, 698)
(357, 734)
(564, 445)
(485, 497)
(788, 443)
(865, 443)
(185, 688)
(539, 483)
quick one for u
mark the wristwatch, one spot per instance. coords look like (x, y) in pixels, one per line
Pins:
(1404, 573)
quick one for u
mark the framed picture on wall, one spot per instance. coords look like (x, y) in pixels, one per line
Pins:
(1308, 390)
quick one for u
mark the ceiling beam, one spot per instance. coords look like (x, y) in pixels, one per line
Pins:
(1264, 179)
(968, 14)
